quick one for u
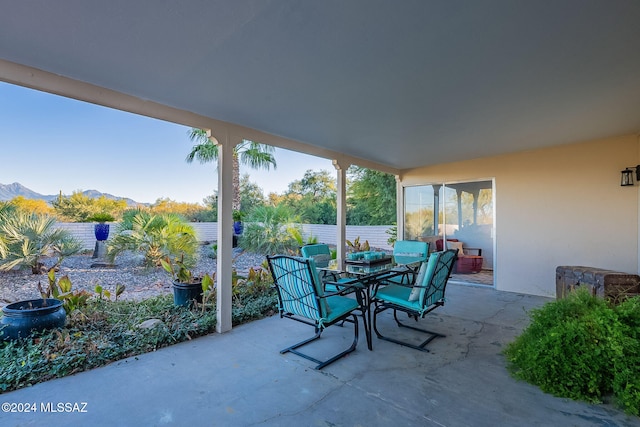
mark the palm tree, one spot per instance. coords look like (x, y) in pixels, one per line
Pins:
(157, 236)
(250, 153)
(25, 238)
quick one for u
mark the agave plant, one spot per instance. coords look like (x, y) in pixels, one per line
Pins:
(25, 238)
(156, 236)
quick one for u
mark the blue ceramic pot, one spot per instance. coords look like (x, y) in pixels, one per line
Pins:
(101, 231)
(24, 317)
(238, 227)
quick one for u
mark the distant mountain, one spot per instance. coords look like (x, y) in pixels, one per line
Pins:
(9, 191)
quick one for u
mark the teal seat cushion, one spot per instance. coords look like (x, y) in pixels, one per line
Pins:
(398, 295)
(339, 306)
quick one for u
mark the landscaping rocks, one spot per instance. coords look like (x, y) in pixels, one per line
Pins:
(140, 282)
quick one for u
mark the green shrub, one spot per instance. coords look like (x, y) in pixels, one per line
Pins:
(582, 348)
(270, 230)
(156, 236)
(26, 238)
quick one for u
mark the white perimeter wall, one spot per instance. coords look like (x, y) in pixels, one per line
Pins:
(208, 231)
(557, 206)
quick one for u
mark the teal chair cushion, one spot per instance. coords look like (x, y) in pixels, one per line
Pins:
(339, 306)
(424, 277)
(398, 295)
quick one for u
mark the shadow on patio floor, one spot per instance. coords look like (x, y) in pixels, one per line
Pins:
(240, 379)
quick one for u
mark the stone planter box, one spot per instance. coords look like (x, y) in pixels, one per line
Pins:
(609, 284)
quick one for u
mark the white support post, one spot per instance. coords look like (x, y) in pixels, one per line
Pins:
(225, 234)
(399, 209)
(341, 214)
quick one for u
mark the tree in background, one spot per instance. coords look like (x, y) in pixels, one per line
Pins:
(79, 207)
(187, 210)
(252, 154)
(312, 198)
(251, 195)
(371, 197)
(210, 212)
(37, 206)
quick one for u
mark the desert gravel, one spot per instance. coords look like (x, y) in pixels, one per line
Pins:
(140, 282)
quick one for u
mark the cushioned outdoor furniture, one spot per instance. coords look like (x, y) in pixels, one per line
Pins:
(301, 297)
(470, 260)
(321, 255)
(425, 295)
(409, 248)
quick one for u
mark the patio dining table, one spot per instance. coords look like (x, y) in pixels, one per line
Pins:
(364, 276)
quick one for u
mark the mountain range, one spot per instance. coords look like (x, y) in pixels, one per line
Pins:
(9, 191)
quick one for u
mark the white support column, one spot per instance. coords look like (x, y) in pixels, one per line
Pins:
(225, 234)
(399, 209)
(341, 215)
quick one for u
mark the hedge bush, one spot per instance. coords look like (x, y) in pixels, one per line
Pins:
(583, 348)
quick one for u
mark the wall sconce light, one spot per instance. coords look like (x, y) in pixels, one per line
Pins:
(627, 176)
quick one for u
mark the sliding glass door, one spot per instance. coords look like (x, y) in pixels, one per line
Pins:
(462, 211)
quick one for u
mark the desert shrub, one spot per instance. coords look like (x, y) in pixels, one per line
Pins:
(156, 236)
(270, 230)
(626, 382)
(25, 238)
(582, 348)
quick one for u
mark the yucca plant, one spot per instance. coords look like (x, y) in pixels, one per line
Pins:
(156, 236)
(25, 238)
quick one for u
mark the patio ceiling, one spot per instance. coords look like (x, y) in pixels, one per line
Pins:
(399, 83)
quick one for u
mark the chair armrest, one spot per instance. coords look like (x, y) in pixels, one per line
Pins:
(478, 251)
(343, 288)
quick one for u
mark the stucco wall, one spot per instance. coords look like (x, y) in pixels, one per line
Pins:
(557, 206)
(208, 231)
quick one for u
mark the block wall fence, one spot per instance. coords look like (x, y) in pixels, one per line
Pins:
(208, 231)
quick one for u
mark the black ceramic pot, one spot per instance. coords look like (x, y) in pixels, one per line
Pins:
(24, 317)
(184, 294)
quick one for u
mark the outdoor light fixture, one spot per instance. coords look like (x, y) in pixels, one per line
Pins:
(627, 175)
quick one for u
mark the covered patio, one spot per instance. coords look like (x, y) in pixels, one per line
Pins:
(539, 97)
(240, 379)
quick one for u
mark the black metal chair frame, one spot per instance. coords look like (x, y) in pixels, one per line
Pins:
(431, 287)
(284, 295)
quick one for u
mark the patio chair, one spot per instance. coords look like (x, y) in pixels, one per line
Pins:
(321, 255)
(301, 297)
(410, 248)
(424, 296)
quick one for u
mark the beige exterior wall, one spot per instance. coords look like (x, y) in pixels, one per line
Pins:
(557, 206)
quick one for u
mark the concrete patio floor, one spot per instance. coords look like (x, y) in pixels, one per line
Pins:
(240, 379)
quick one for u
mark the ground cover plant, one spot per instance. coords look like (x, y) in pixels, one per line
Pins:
(584, 348)
(103, 331)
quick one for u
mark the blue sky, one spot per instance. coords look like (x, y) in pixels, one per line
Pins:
(50, 144)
